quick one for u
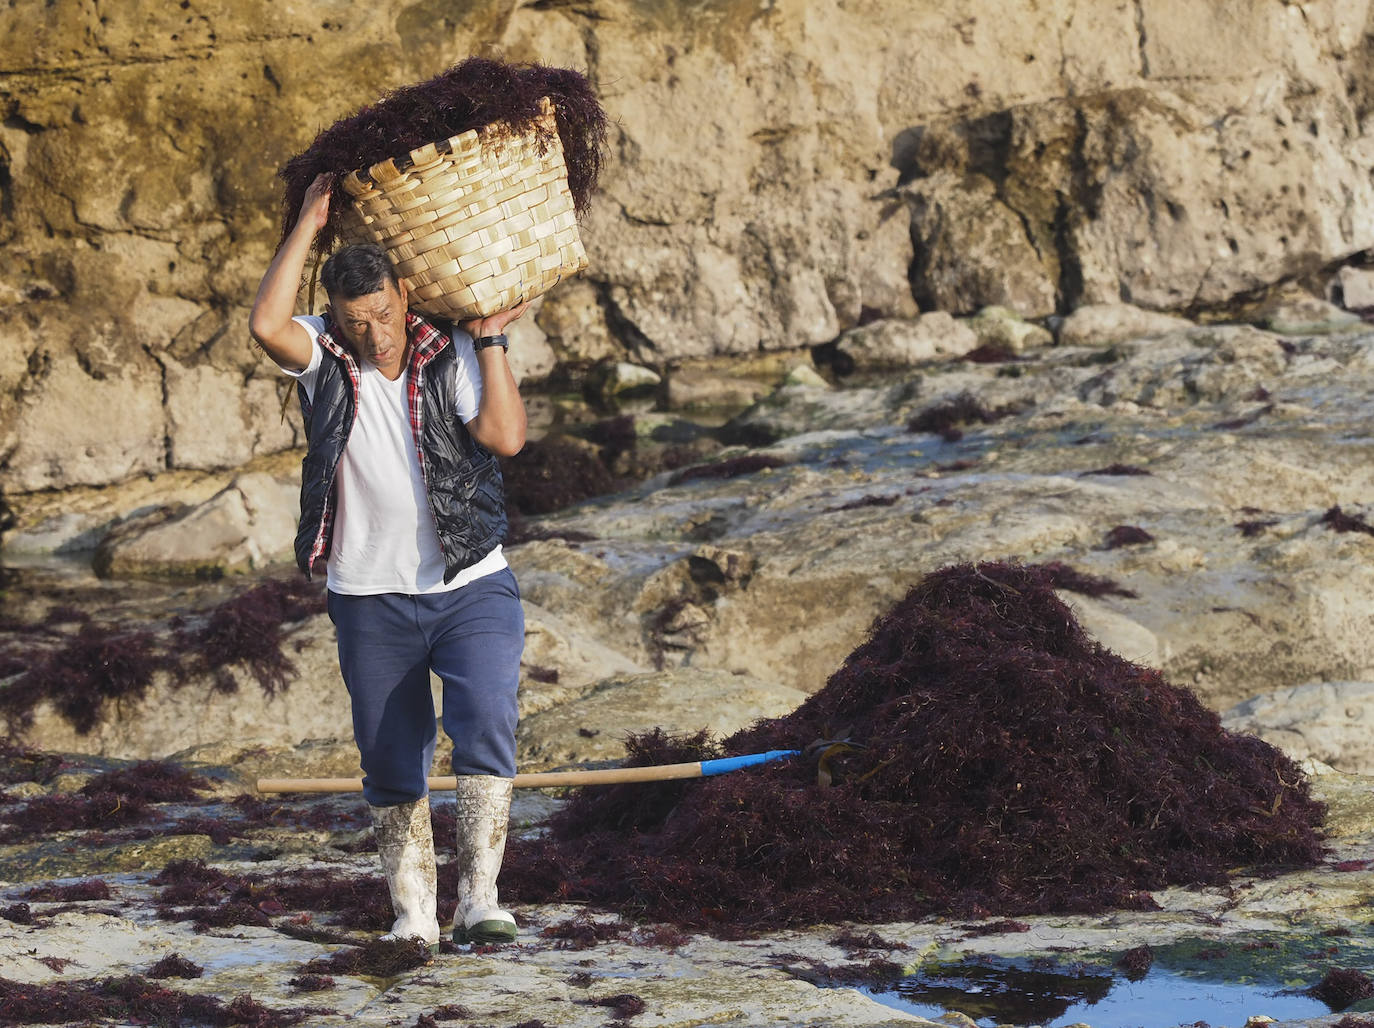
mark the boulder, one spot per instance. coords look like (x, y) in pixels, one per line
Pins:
(562, 660)
(612, 379)
(1325, 721)
(1308, 316)
(1005, 329)
(245, 526)
(176, 715)
(573, 317)
(1117, 632)
(1357, 288)
(59, 428)
(1102, 324)
(899, 343)
(1207, 364)
(805, 377)
(215, 420)
(532, 358)
(973, 248)
(76, 520)
(698, 388)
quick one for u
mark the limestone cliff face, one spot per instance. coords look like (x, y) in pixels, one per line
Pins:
(779, 171)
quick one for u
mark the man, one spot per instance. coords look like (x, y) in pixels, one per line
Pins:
(401, 499)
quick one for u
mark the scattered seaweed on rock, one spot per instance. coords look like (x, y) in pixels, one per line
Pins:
(582, 932)
(1118, 470)
(1255, 527)
(113, 800)
(97, 664)
(1342, 986)
(449, 1012)
(380, 958)
(64, 812)
(1135, 963)
(472, 94)
(663, 936)
(81, 672)
(995, 352)
(946, 418)
(1002, 927)
(623, 1005)
(18, 913)
(194, 891)
(77, 892)
(1126, 535)
(133, 999)
(21, 764)
(1011, 766)
(174, 965)
(1339, 521)
(870, 500)
(246, 631)
(550, 474)
(853, 943)
(152, 781)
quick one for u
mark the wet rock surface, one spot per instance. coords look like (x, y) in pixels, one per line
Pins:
(1218, 476)
(1208, 487)
(284, 909)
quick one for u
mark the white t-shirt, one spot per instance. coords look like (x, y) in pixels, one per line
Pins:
(384, 537)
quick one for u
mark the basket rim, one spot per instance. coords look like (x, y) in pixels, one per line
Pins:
(391, 167)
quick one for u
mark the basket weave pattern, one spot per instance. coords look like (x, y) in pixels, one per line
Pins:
(475, 224)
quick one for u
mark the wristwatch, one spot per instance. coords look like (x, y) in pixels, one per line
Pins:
(482, 342)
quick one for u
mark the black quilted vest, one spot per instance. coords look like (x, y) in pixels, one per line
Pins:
(462, 478)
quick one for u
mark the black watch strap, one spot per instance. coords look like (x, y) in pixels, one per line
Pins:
(482, 342)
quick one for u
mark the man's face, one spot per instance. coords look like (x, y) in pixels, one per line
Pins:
(375, 327)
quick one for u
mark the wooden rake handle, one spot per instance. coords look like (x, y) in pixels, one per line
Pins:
(552, 779)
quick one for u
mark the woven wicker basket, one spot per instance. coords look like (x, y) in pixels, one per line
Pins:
(475, 224)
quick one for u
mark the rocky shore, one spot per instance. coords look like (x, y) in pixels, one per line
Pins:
(265, 902)
(1205, 484)
(1213, 479)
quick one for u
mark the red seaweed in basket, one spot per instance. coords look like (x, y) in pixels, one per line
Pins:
(471, 181)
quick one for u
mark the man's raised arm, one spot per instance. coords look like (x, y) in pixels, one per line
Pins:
(500, 421)
(286, 342)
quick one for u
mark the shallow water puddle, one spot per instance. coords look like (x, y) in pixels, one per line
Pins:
(996, 991)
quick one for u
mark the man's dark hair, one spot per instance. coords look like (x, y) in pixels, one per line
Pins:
(358, 270)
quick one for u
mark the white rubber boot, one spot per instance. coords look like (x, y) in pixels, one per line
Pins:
(483, 816)
(405, 843)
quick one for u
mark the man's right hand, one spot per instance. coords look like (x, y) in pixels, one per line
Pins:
(315, 207)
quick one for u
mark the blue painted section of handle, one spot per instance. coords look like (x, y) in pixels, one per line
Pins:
(724, 764)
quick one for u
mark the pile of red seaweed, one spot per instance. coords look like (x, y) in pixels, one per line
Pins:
(474, 93)
(1012, 766)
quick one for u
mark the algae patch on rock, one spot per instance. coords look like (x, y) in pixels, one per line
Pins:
(1011, 766)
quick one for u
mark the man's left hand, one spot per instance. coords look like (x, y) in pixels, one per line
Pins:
(492, 324)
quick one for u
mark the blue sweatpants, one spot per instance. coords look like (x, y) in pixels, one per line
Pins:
(472, 638)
